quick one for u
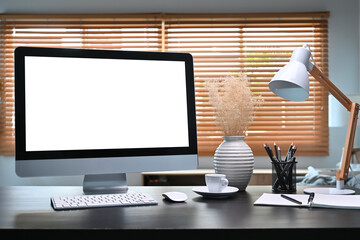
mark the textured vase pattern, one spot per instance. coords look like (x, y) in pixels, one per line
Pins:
(235, 159)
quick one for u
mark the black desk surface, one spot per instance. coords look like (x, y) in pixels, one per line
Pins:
(24, 207)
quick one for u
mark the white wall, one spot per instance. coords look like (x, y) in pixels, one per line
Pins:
(344, 51)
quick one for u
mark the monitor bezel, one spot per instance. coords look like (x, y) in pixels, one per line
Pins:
(20, 121)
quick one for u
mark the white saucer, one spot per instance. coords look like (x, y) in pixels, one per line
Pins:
(204, 191)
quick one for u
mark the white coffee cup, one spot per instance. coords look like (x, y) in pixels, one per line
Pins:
(216, 183)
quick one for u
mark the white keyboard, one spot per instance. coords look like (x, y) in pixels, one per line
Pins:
(103, 200)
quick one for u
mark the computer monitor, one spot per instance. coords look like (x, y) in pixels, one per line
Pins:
(102, 114)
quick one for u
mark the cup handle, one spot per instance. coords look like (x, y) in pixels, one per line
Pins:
(224, 182)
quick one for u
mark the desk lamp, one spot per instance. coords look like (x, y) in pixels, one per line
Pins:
(292, 83)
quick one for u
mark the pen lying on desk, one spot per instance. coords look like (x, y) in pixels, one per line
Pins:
(290, 199)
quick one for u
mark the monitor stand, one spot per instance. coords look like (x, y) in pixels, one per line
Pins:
(105, 184)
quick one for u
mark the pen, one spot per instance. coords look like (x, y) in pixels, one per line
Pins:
(311, 197)
(290, 199)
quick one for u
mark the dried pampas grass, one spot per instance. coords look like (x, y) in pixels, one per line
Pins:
(234, 103)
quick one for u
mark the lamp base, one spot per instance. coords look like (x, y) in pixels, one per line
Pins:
(326, 190)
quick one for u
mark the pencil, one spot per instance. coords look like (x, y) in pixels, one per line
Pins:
(275, 157)
(270, 153)
(279, 154)
(276, 153)
(293, 151)
(278, 168)
(291, 146)
(288, 155)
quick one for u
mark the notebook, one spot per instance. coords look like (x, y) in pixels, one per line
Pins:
(319, 200)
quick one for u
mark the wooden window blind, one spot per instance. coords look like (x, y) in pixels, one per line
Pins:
(255, 44)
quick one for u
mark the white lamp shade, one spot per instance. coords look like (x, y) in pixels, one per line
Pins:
(291, 82)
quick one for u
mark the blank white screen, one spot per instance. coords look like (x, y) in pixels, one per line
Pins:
(83, 103)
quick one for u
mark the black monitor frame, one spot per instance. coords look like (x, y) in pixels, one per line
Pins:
(22, 52)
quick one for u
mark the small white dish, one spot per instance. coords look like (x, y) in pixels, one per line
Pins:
(204, 191)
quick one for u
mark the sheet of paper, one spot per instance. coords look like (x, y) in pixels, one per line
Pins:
(277, 200)
(337, 201)
(320, 200)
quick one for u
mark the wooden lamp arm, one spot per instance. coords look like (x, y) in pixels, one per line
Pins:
(342, 173)
(321, 77)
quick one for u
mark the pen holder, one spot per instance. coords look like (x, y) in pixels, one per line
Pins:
(284, 177)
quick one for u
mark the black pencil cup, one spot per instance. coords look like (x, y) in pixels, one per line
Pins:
(284, 177)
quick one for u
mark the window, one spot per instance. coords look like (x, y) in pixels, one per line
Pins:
(255, 44)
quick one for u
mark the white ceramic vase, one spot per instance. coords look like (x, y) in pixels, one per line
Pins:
(235, 159)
